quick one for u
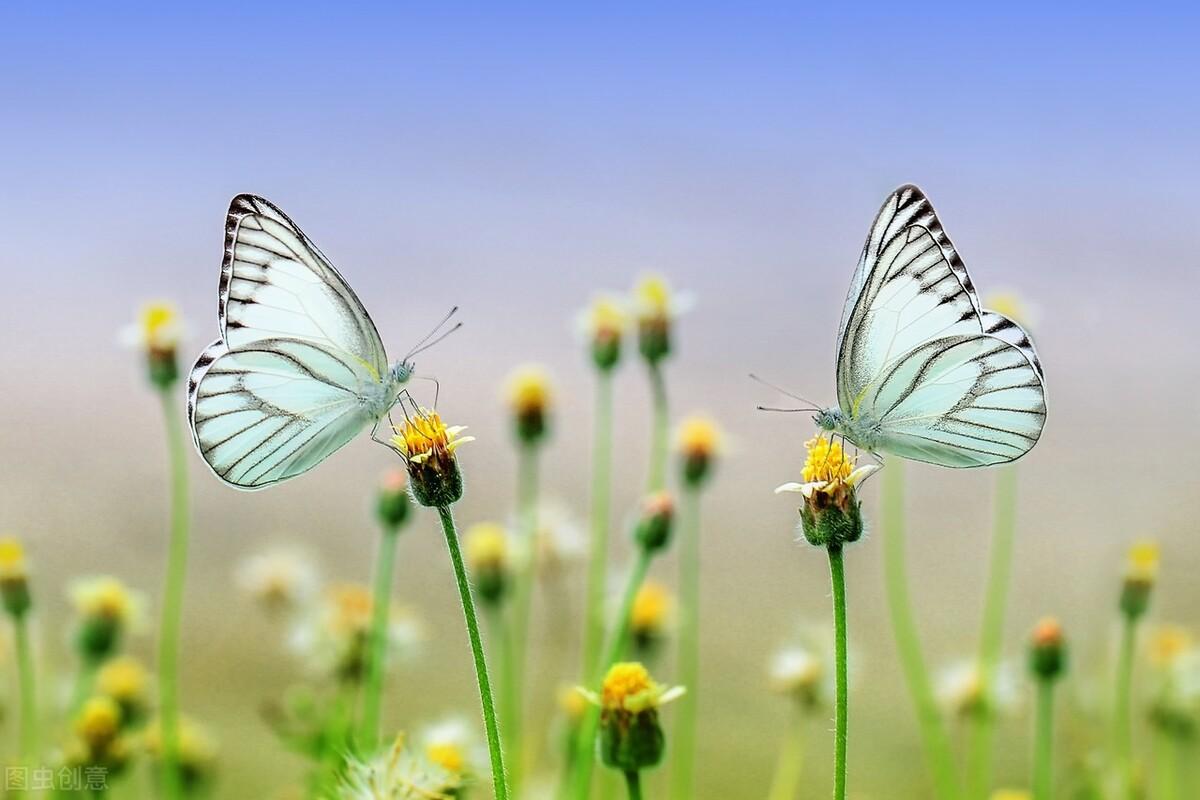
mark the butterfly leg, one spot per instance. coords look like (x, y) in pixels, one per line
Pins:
(437, 387)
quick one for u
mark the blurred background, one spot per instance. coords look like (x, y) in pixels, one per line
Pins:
(515, 161)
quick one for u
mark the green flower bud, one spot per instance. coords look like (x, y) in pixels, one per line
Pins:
(1047, 650)
(427, 447)
(392, 506)
(653, 531)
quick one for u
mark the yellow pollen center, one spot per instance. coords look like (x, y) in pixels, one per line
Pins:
(448, 756)
(624, 680)
(650, 607)
(826, 461)
(421, 435)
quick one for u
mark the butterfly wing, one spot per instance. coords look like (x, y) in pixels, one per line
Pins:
(270, 409)
(275, 283)
(944, 380)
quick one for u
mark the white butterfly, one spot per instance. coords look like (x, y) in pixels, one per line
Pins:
(299, 369)
(923, 371)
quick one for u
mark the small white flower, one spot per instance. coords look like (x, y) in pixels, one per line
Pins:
(283, 578)
(960, 688)
(396, 774)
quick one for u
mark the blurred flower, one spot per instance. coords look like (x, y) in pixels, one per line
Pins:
(604, 323)
(454, 745)
(1011, 305)
(427, 447)
(396, 774)
(14, 577)
(653, 531)
(1141, 571)
(335, 637)
(107, 609)
(572, 703)
(486, 547)
(98, 738)
(197, 752)
(1167, 643)
(650, 615)
(831, 514)
(124, 679)
(1047, 650)
(529, 398)
(392, 504)
(157, 333)
(656, 308)
(559, 538)
(960, 689)
(799, 672)
(630, 735)
(700, 441)
(280, 579)
(1011, 794)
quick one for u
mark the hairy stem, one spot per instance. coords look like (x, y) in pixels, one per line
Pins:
(837, 575)
(656, 479)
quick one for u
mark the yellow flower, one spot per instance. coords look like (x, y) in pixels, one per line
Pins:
(451, 745)
(826, 461)
(1011, 794)
(572, 703)
(14, 577)
(603, 324)
(427, 447)
(197, 748)
(124, 679)
(700, 441)
(1143, 561)
(629, 687)
(486, 546)
(831, 513)
(98, 723)
(651, 608)
(528, 389)
(107, 598)
(1168, 643)
(656, 308)
(159, 328)
(395, 774)
(1011, 305)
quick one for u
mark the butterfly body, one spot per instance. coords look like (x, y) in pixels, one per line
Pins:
(299, 369)
(925, 372)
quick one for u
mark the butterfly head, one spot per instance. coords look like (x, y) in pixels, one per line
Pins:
(401, 371)
(829, 419)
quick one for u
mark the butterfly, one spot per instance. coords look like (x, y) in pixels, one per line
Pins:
(299, 369)
(924, 372)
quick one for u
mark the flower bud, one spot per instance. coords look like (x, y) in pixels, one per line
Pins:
(529, 399)
(831, 515)
(427, 447)
(1140, 574)
(699, 444)
(14, 578)
(486, 546)
(653, 531)
(631, 738)
(656, 310)
(157, 333)
(393, 504)
(1047, 650)
(604, 324)
(106, 608)
(649, 616)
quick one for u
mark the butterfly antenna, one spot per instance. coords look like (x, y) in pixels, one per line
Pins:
(424, 342)
(784, 392)
(421, 348)
(784, 410)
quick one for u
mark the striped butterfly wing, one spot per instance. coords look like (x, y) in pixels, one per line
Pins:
(268, 410)
(276, 283)
(920, 357)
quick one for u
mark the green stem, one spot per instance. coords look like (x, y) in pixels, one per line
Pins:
(790, 763)
(584, 754)
(593, 637)
(85, 679)
(991, 639)
(527, 493)
(172, 610)
(1122, 720)
(837, 575)
(28, 689)
(507, 674)
(657, 478)
(633, 779)
(1043, 772)
(1167, 768)
(385, 567)
(487, 701)
(688, 662)
(934, 738)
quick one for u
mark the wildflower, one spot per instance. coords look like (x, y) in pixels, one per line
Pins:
(1167, 643)
(107, 608)
(656, 308)
(197, 753)
(157, 333)
(452, 745)
(631, 737)
(1011, 794)
(1047, 650)
(1175, 708)
(650, 615)
(392, 504)
(486, 548)
(800, 673)
(337, 637)
(653, 530)
(573, 705)
(1141, 571)
(124, 680)
(14, 577)
(397, 773)
(427, 447)
(98, 723)
(699, 441)
(280, 579)
(831, 514)
(529, 398)
(604, 323)
(961, 690)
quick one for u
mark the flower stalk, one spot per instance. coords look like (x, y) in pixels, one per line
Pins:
(1047, 662)
(597, 577)
(385, 567)
(790, 762)
(837, 574)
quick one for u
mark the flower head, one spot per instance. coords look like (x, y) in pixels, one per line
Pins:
(831, 514)
(700, 441)
(604, 323)
(1141, 571)
(124, 680)
(14, 577)
(157, 332)
(279, 579)
(197, 753)
(529, 397)
(962, 690)
(107, 608)
(334, 638)
(99, 722)
(486, 546)
(799, 672)
(1047, 650)
(428, 449)
(656, 308)
(453, 745)
(630, 735)
(397, 773)
(1167, 643)
(573, 703)
(650, 615)
(392, 504)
